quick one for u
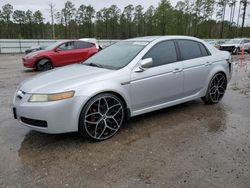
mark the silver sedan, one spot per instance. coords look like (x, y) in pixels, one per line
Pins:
(129, 78)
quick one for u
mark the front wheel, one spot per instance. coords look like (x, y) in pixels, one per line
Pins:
(237, 51)
(102, 117)
(44, 65)
(216, 89)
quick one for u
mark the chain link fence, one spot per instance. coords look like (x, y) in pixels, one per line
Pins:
(12, 46)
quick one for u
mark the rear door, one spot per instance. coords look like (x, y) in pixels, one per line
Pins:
(196, 65)
(161, 83)
(84, 50)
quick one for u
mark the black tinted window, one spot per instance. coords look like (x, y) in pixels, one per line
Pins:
(162, 53)
(204, 51)
(81, 45)
(189, 49)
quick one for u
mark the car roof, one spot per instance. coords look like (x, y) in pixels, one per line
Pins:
(166, 37)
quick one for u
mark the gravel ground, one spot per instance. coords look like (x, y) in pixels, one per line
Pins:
(188, 145)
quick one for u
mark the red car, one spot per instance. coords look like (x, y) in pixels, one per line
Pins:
(60, 54)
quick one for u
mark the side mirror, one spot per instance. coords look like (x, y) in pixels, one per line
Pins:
(58, 50)
(144, 64)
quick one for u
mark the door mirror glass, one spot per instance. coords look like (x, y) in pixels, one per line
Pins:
(146, 63)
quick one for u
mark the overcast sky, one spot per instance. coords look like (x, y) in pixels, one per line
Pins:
(98, 4)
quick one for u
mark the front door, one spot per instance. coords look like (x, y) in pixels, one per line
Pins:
(161, 83)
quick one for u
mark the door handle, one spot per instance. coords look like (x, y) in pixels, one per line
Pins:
(176, 70)
(208, 63)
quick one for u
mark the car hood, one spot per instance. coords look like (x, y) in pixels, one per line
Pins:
(35, 53)
(64, 79)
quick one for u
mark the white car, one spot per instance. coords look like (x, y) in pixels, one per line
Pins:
(234, 46)
(126, 79)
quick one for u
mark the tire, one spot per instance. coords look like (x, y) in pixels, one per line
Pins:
(44, 65)
(237, 51)
(216, 89)
(102, 117)
(248, 50)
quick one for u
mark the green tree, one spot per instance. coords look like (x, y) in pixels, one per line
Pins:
(126, 21)
(19, 17)
(139, 20)
(149, 20)
(38, 20)
(67, 14)
(163, 15)
(7, 11)
(85, 16)
(221, 4)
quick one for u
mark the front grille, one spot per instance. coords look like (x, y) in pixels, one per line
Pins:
(227, 48)
(34, 122)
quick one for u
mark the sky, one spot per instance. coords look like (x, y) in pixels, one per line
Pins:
(97, 4)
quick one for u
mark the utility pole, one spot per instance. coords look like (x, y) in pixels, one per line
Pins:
(52, 10)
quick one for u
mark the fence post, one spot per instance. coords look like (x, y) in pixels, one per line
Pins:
(0, 47)
(20, 46)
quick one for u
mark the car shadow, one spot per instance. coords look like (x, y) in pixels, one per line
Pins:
(140, 125)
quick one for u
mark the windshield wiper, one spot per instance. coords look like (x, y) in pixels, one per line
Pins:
(95, 65)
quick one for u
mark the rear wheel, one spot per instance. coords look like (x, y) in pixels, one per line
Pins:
(216, 89)
(44, 65)
(102, 117)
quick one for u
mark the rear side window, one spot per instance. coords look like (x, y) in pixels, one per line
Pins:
(162, 53)
(189, 49)
(204, 51)
(82, 45)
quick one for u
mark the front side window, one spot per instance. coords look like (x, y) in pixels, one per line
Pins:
(189, 49)
(67, 46)
(162, 53)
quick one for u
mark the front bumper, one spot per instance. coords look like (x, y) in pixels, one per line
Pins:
(49, 117)
(227, 48)
(29, 63)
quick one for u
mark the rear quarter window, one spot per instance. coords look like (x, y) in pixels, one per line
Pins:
(204, 50)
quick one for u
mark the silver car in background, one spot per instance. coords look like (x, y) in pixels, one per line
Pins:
(129, 78)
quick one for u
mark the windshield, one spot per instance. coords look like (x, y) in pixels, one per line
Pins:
(52, 46)
(233, 41)
(117, 55)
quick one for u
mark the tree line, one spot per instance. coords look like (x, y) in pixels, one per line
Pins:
(200, 18)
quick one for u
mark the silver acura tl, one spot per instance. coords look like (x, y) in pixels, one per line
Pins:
(129, 78)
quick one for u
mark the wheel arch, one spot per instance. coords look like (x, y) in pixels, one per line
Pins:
(213, 72)
(120, 96)
(44, 57)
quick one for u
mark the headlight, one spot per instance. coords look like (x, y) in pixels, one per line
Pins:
(51, 97)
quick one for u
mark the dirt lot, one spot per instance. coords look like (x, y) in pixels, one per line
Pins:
(189, 145)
